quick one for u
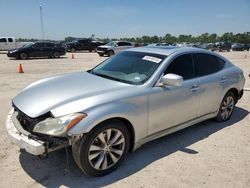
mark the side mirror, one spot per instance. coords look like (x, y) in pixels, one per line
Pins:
(172, 80)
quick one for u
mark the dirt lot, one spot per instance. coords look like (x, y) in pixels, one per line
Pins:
(208, 154)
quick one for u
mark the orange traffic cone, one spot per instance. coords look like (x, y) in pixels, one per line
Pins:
(72, 56)
(20, 68)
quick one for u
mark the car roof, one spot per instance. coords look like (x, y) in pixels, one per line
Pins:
(167, 50)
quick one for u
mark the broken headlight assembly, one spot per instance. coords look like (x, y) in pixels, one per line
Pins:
(58, 126)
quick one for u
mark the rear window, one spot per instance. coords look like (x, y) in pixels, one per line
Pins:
(10, 39)
(207, 64)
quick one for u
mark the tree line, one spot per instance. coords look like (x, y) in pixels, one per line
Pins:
(168, 38)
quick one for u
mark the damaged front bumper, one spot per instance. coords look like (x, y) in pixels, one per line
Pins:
(33, 144)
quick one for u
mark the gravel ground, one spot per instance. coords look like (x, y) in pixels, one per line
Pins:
(208, 154)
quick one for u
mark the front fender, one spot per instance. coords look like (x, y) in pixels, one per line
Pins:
(135, 113)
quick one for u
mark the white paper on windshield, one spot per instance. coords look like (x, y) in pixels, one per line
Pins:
(153, 59)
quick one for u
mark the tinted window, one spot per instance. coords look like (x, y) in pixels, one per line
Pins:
(84, 41)
(50, 45)
(124, 44)
(127, 44)
(10, 39)
(39, 45)
(120, 44)
(207, 64)
(183, 66)
(3, 40)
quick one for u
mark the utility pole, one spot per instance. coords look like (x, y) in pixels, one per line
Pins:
(41, 15)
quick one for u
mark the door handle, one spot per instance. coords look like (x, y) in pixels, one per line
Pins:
(194, 88)
(223, 80)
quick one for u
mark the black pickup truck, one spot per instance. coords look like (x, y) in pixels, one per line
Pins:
(83, 44)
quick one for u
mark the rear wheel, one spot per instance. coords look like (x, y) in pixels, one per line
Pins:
(226, 107)
(23, 56)
(103, 149)
(72, 49)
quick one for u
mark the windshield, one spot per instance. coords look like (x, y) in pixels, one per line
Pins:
(129, 67)
(111, 44)
(28, 45)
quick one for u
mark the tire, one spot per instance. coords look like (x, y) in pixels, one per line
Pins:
(103, 149)
(110, 53)
(72, 50)
(101, 55)
(56, 54)
(226, 107)
(23, 56)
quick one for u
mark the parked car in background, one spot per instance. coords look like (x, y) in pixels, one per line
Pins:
(131, 98)
(159, 44)
(113, 47)
(240, 47)
(222, 46)
(37, 49)
(83, 44)
(7, 43)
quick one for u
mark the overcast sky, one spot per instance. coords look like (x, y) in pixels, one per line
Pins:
(114, 18)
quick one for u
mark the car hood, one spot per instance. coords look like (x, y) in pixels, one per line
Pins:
(45, 95)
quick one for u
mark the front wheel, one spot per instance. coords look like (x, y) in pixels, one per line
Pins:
(56, 55)
(23, 56)
(110, 53)
(226, 107)
(103, 149)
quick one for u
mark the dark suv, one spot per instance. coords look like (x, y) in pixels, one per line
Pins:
(240, 47)
(38, 49)
(222, 46)
(83, 44)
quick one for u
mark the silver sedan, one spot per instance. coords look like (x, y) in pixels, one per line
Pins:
(131, 98)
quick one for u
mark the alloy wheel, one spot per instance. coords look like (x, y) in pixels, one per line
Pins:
(227, 107)
(23, 56)
(106, 149)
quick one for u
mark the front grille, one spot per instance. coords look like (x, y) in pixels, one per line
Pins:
(27, 122)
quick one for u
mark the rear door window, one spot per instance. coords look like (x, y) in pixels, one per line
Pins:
(39, 45)
(10, 39)
(183, 66)
(206, 64)
(49, 45)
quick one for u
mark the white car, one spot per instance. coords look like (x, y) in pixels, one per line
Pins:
(113, 47)
(8, 43)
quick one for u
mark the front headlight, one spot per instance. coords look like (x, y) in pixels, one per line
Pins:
(12, 51)
(58, 126)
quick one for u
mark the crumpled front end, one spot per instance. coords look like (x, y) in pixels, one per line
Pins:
(19, 129)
